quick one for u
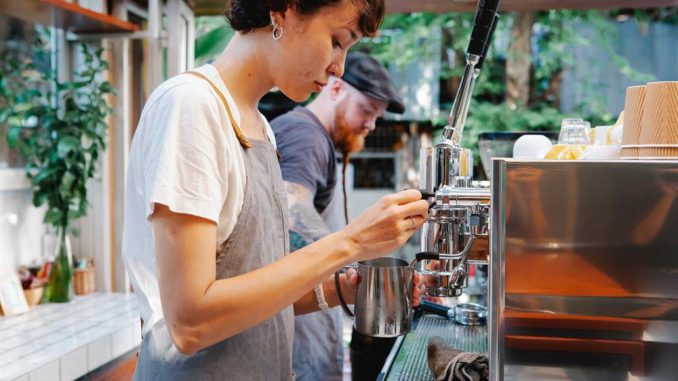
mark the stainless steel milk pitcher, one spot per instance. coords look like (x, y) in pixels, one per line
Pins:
(383, 303)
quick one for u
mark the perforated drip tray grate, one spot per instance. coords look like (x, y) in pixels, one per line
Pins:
(410, 363)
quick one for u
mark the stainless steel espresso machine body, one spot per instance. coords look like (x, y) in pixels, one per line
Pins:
(457, 231)
(583, 258)
(458, 222)
(584, 270)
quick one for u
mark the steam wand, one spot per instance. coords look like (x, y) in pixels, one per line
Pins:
(484, 25)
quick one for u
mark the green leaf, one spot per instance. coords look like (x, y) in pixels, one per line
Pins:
(5, 112)
(66, 183)
(106, 87)
(39, 198)
(43, 175)
(53, 217)
(86, 141)
(74, 231)
(13, 134)
(66, 145)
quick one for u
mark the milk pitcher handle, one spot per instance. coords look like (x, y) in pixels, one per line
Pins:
(342, 301)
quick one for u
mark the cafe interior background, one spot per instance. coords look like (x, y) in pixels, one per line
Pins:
(549, 60)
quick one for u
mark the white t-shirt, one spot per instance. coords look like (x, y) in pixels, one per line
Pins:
(185, 155)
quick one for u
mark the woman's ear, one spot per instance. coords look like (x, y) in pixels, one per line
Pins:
(277, 18)
(280, 16)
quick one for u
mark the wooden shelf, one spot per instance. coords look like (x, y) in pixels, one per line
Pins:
(64, 15)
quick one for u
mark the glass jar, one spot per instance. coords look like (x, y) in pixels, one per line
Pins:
(575, 131)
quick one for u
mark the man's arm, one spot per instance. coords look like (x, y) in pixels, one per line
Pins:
(306, 227)
(304, 218)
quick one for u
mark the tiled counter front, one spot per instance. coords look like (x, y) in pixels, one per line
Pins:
(66, 341)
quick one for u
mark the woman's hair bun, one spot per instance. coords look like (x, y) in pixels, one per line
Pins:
(247, 15)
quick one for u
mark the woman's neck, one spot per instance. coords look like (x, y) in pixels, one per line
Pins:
(244, 70)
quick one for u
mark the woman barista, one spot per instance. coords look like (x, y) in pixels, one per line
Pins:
(205, 234)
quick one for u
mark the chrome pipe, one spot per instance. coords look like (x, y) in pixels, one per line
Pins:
(457, 117)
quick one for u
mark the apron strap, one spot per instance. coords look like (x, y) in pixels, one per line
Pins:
(244, 143)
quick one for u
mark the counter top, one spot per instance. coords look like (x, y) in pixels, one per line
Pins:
(66, 341)
(408, 361)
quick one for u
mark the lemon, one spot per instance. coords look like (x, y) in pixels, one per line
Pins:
(565, 152)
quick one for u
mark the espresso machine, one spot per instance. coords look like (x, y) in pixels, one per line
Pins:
(455, 234)
(582, 258)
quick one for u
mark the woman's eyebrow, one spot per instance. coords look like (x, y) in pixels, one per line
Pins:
(354, 35)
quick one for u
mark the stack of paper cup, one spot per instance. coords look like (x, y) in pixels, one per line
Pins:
(659, 128)
(633, 116)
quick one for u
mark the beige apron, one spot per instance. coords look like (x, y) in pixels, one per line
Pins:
(259, 238)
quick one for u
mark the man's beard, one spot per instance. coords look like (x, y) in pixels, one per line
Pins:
(345, 138)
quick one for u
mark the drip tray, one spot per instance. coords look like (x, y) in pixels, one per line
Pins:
(410, 363)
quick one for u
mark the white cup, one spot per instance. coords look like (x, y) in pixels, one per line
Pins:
(600, 135)
(531, 147)
(601, 152)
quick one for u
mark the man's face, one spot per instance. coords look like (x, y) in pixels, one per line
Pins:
(356, 116)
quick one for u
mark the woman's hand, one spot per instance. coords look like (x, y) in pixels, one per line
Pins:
(349, 285)
(387, 225)
(418, 290)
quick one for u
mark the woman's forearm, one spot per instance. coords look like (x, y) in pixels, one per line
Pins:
(200, 310)
(230, 306)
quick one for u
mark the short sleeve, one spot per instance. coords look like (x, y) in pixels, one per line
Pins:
(186, 152)
(303, 151)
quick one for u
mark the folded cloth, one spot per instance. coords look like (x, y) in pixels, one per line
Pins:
(449, 364)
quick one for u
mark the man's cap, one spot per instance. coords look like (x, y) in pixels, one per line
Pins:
(370, 78)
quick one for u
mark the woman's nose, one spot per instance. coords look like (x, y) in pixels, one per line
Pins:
(337, 67)
(336, 70)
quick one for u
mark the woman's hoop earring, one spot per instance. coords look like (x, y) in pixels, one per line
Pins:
(277, 29)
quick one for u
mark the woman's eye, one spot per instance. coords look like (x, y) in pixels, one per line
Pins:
(336, 43)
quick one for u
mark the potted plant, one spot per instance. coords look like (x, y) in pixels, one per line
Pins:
(60, 127)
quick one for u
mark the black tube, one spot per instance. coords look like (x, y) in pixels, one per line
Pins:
(435, 308)
(425, 195)
(482, 26)
(479, 65)
(427, 255)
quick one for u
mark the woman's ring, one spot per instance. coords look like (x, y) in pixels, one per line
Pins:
(414, 224)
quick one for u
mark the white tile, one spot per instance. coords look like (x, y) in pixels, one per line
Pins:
(11, 343)
(13, 371)
(9, 333)
(92, 334)
(66, 345)
(125, 340)
(18, 353)
(38, 332)
(99, 352)
(48, 372)
(6, 360)
(22, 378)
(55, 337)
(74, 364)
(40, 358)
(98, 318)
(31, 325)
(87, 333)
